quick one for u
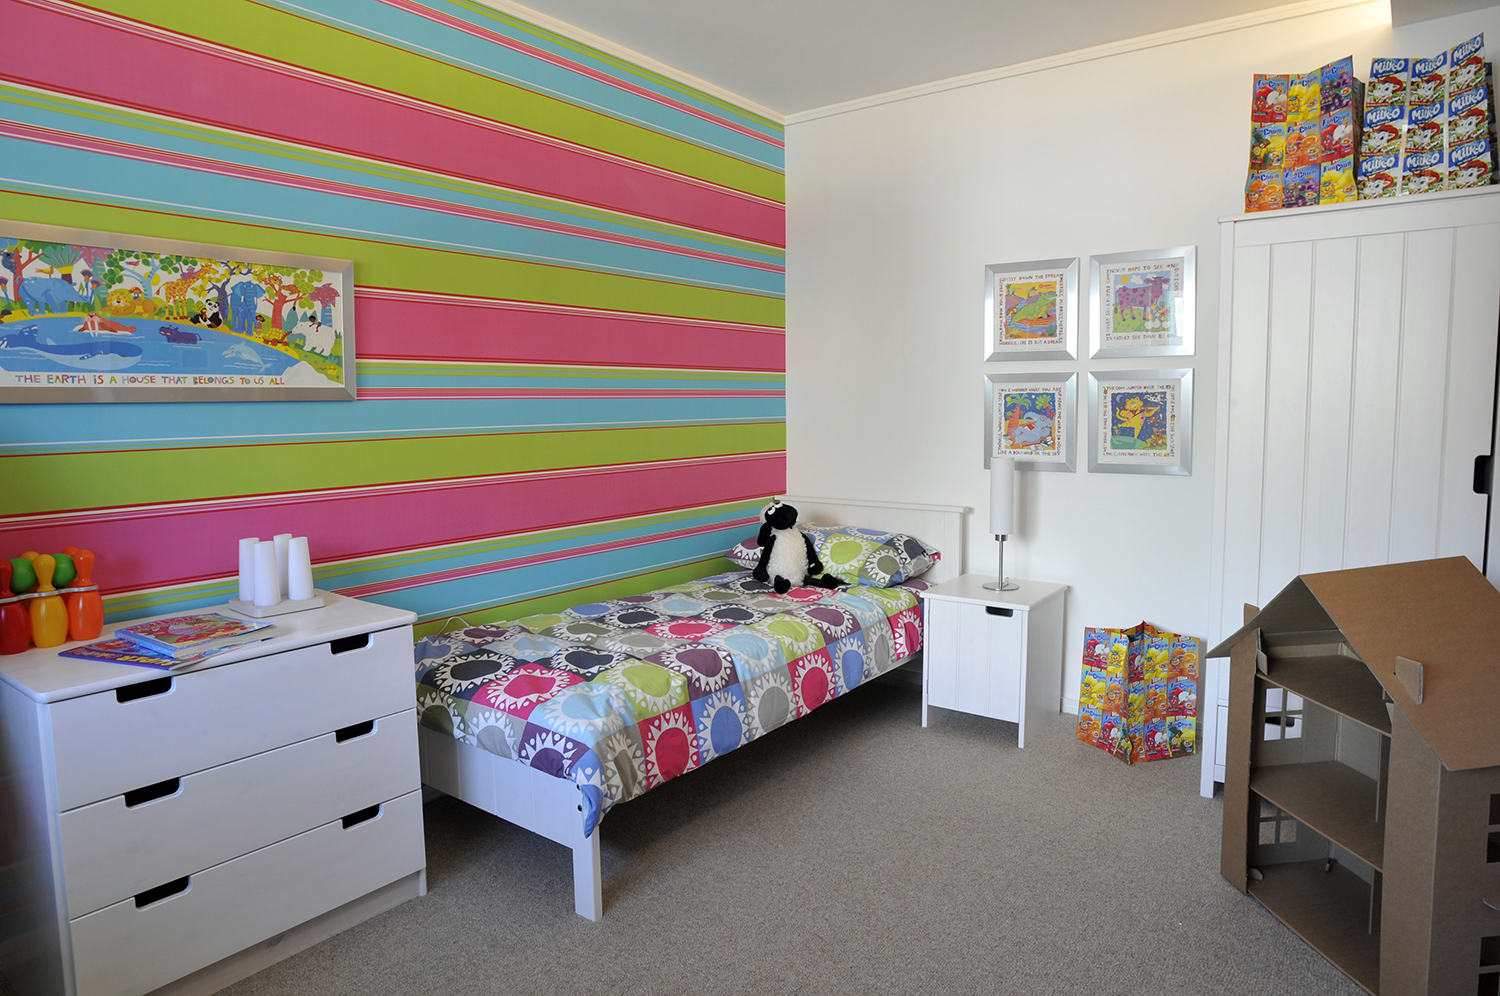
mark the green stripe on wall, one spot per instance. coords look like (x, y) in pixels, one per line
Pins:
(304, 42)
(382, 264)
(64, 481)
(591, 593)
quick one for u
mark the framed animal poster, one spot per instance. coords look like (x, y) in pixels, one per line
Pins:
(102, 316)
(1142, 303)
(1031, 310)
(1030, 417)
(1142, 422)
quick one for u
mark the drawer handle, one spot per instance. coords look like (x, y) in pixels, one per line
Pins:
(344, 644)
(357, 730)
(160, 790)
(362, 816)
(143, 689)
(161, 892)
(996, 610)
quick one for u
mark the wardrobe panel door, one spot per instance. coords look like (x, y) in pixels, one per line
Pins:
(1422, 379)
(1372, 435)
(1247, 422)
(1331, 371)
(1286, 416)
(1471, 391)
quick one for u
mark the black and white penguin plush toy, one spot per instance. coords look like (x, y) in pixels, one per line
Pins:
(787, 557)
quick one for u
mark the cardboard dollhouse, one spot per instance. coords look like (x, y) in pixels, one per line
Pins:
(1362, 776)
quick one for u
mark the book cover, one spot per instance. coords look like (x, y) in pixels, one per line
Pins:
(189, 636)
(123, 652)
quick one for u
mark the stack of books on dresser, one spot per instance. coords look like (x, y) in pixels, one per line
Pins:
(175, 642)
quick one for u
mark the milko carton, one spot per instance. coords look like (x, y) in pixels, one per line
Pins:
(1469, 115)
(1429, 80)
(1338, 134)
(1426, 127)
(1302, 187)
(1383, 131)
(1337, 183)
(1304, 144)
(1263, 191)
(1379, 176)
(1423, 172)
(1267, 146)
(1466, 66)
(1388, 82)
(1470, 164)
(1269, 102)
(1303, 99)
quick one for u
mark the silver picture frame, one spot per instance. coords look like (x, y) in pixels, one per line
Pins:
(1057, 340)
(1174, 391)
(1059, 454)
(1161, 316)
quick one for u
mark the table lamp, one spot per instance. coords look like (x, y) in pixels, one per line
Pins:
(1002, 511)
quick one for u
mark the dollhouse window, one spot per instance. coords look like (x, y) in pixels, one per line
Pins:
(1276, 827)
(1283, 715)
(1489, 951)
(1493, 855)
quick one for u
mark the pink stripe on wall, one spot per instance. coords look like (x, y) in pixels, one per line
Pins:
(392, 323)
(339, 526)
(81, 55)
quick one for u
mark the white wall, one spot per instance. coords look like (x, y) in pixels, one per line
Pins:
(893, 212)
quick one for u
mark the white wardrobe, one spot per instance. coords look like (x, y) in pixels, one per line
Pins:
(1357, 379)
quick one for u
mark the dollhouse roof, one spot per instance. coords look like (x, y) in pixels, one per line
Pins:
(1443, 614)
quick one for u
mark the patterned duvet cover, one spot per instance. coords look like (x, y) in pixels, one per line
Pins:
(620, 696)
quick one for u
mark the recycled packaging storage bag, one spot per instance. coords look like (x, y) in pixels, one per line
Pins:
(1139, 698)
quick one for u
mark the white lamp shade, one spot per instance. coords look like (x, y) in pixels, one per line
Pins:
(1002, 495)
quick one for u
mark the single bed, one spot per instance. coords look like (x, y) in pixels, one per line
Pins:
(549, 721)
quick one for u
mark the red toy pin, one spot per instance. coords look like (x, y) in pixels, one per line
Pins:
(15, 626)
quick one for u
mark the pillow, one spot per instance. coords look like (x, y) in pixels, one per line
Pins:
(857, 556)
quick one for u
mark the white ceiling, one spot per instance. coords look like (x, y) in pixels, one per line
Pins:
(795, 55)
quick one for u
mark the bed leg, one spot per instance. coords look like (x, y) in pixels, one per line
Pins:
(588, 894)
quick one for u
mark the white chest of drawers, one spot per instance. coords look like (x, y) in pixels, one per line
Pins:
(172, 832)
(994, 653)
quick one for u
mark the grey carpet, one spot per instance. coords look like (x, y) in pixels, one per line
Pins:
(851, 852)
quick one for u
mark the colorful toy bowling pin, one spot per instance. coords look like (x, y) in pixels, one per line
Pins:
(22, 578)
(49, 616)
(65, 571)
(15, 625)
(85, 608)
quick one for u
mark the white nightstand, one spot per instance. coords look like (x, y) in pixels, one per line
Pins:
(994, 653)
(179, 830)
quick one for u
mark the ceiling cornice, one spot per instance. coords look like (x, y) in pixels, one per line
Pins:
(1302, 8)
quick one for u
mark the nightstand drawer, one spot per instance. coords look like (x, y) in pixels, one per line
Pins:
(116, 848)
(126, 950)
(105, 747)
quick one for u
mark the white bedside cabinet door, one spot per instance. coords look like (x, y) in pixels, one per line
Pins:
(940, 655)
(1003, 678)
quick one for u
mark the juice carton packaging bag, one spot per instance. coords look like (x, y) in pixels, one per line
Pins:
(1429, 80)
(1140, 692)
(1388, 82)
(1338, 87)
(1101, 697)
(1466, 66)
(1470, 164)
(1385, 126)
(1426, 128)
(1338, 134)
(1306, 137)
(1469, 115)
(1264, 190)
(1379, 176)
(1303, 97)
(1267, 146)
(1337, 182)
(1268, 105)
(1422, 172)
(1302, 187)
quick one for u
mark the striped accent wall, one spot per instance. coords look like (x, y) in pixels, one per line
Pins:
(569, 307)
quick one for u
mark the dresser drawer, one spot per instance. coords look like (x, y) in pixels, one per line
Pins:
(125, 950)
(112, 850)
(105, 747)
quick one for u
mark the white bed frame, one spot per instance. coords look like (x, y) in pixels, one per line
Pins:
(552, 806)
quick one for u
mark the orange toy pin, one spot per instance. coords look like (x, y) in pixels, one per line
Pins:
(49, 616)
(85, 608)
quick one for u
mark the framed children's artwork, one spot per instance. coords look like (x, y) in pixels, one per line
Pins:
(1142, 422)
(1031, 310)
(1142, 303)
(101, 316)
(1030, 417)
